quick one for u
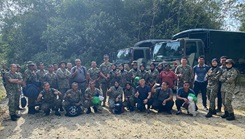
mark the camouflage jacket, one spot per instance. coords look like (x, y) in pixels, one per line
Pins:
(129, 92)
(30, 76)
(89, 93)
(124, 78)
(143, 74)
(63, 76)
(114, 76)
(213, 75)
(153, 76)
(75, 96)
(51, 79)
(228, 79)
(49, 96)
(12, 86)
(186, 72)
(113, 93)
(94, 73)
(132, 74)
(41, 75)
(105, 69)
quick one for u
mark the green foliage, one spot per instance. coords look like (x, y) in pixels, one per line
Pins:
(55, 30)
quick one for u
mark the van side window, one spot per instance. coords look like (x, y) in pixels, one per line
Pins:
(138, 54)
(191, 48)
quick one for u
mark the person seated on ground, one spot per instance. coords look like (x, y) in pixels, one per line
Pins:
(73, 97)
(182, 97)
(115, 95)
(93, 98)
(50, 99)
(164, 100)
(143, 95)
(129, 92)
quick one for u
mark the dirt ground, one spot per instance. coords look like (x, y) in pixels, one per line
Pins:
(127, 125)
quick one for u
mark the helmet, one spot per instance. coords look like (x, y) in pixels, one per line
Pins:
(229, 61)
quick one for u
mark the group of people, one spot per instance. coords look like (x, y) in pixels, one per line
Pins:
(65, 87)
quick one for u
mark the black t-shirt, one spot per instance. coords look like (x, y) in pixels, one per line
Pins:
(164, 94)
(184, 94)
(143, 92)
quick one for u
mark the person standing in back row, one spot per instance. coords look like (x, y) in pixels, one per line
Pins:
(200, 80)
(223, 68)
(228, 79)
(79, 75)
(105, 69)
(184, 73)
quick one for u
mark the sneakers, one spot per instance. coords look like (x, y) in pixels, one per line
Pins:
(169, 112)
(230, 117)
(178, 112)
(20, 109)
(88, 111)
(205, 108)
(13, 118)
(57, 113)
(226, 114)
(17, 116)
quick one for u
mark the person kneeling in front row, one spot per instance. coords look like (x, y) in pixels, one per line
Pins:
(182, 98)
(50, 99)
(143, 95)
(164, 98)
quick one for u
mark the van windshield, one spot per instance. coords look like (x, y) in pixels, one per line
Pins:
(167, 51)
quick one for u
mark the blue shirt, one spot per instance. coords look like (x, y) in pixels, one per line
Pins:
(200, 72)
(143, 92)
(181, 92)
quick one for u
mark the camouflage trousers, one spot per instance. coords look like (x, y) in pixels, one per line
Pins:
(212, 94)
(67, 104)
(227, 99)
(129, 101)
(112, 102)
(56, 104)
(13, 103)
(88, 104)
(105, 87)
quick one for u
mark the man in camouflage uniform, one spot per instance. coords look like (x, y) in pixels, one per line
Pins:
(90, 93)
(105, 68)
(213, 84)
(51, 77)
(50, 99)
(184, 73)
(41, 73)
(19, 72)
(115, 95)
(30, 77)
(223, 68)
(63, 76)
(228, 79)
(13, 89)
(73, 97)
(94, 74)
(56, 66)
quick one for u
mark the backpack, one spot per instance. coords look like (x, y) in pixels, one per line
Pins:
(73, 111)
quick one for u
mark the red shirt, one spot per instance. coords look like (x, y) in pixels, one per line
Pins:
(168, 76)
